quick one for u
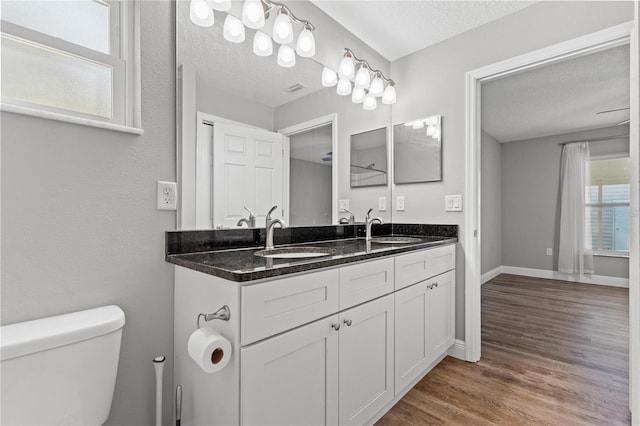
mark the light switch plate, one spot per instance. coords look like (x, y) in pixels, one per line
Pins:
(453, 203)
(400, 203)
(343, 205)
(382, 204)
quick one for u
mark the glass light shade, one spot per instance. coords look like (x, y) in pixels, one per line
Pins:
(286, 56)
(262, 45)
(306, 46)
(344, 87)
(347, 68)
(233, 29)
(363, 78)
(221, 5)
(329, 77)
(282, 29)
(419, 125)
(431, 121)
(389, 95)
(253, 14)
(431, 130)
(358, 95)
(377, 87)
(369, 102)
(200, 13)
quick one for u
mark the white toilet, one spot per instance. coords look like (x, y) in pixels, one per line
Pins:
(60, 370)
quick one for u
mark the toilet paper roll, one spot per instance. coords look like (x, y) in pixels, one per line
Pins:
(209, 350)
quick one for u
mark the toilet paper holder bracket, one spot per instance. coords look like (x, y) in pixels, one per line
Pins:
(223, 314)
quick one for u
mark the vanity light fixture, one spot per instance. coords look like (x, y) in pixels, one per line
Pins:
(233, 29)
(329, 77)
(254, 15)
(365, 90)
(200, 13)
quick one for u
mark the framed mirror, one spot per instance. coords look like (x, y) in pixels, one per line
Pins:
(417, 150)
(369, 158)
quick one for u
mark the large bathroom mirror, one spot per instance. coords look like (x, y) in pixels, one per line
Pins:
(231, 101)
(369, 158)
(417, 151)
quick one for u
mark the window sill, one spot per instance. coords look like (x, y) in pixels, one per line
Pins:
(70, 119)
(622, 254)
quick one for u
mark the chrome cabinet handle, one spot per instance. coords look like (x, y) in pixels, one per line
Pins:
(335, 326)
(348, 322)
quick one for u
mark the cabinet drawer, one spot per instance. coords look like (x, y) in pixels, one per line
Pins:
(414, 267)
(272, 307)
(365, 281)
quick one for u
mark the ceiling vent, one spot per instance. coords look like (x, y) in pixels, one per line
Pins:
(295, 87)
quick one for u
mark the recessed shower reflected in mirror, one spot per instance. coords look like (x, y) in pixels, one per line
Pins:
(369, 158)
(417, 150)
(310, 176)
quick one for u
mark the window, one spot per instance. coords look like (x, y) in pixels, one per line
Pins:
(75, 58)
(608, 197)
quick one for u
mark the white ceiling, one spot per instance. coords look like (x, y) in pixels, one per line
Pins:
(558, 98)
(396, 28)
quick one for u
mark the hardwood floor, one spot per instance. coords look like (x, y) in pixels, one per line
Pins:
(553, 353)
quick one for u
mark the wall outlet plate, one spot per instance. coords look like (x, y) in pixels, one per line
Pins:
(343, 205)
(382, 204)
(167, 195)
(400, 203)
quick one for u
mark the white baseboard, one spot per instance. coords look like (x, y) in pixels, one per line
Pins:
(555, 275)
(457, 350)
(488, 276)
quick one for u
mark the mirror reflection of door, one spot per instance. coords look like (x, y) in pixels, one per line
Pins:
(310, 177)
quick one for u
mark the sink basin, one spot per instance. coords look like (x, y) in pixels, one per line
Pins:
(295, 252)
(395, 240)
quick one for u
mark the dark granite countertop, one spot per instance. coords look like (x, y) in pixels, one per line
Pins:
(231, 254)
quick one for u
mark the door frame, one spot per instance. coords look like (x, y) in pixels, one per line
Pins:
(303, 127)
(601, 40)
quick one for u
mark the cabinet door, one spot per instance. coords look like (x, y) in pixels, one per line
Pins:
(366, 360)
(412, 349)
(292, 379)
(442, 313)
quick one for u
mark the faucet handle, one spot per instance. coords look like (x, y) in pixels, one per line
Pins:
(271, 211)
(251, 215)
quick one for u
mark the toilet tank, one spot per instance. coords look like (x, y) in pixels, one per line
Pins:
(60, 370)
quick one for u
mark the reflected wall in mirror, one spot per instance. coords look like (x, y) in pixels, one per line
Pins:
(225, 84)
(369, 158)
(417, 151)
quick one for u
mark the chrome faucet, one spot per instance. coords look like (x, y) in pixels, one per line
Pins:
(251, 221)
(369, 222)
(269, 225)
(350, 221)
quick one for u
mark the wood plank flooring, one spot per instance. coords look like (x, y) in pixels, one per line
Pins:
(553, 353)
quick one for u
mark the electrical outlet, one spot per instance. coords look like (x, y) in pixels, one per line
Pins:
(549, 252)
(453, 203)
(167, 195)
(382, 204)
(400, 203)
(343, 205)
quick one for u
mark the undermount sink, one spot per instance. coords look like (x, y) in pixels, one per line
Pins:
(295, 252)
(395, 240)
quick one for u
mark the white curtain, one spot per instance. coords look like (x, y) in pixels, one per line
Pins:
(575, 255)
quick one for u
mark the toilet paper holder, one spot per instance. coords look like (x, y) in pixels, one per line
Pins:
(223, 314)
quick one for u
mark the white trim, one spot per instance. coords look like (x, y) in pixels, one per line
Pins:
(457, 350)
(488, 276)
(312, 124)
(611, 37)
(48, 115)
(555, 275)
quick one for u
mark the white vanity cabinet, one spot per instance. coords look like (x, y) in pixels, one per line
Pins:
(336, 346)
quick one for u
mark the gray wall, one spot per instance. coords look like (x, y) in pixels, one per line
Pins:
(310, 193)
(530, 200)
(432, 81)
(491, 207)
(80, 227)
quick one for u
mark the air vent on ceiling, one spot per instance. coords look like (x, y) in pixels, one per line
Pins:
(295, 87)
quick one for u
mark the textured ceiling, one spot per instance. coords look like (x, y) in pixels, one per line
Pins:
(234, 67)
(396, 28)
(558, 98)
